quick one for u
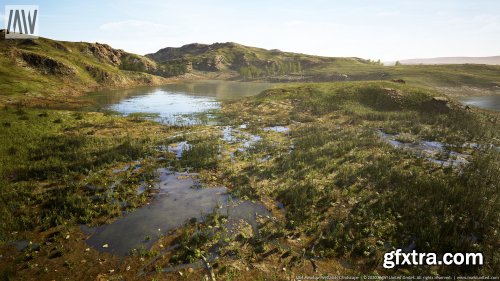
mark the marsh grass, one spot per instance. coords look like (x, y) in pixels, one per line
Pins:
(356, 196)
(56, 173)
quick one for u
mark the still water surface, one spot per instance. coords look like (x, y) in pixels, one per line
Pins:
(491, 102)
(176, 103)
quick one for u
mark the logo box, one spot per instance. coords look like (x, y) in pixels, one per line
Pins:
(21, 21)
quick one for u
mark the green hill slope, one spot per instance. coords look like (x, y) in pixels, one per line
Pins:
(42, 69)
(235, 61)
(247, 62)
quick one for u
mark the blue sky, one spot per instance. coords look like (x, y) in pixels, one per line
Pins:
(376, 29)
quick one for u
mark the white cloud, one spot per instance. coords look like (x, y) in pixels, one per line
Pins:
(388, 14)
(132, 24)
(294, 23)
(491, 27)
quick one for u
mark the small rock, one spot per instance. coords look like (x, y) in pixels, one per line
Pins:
(88, 249)
(190, 270)
(111, 270)
(180, 273)
(67, 237)
(105, 246)
(128, 268)
(284, 269)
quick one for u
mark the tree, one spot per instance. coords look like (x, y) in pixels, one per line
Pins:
(398, 63)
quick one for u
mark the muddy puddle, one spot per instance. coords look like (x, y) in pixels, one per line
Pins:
(278, 129)
(433, 151)
(242, 139)
(178, 200)
(179, 148)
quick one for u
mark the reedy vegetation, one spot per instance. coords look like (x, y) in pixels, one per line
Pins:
(354, 195)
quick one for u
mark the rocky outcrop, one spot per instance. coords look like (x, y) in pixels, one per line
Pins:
(137, 63)
(104, 53)
(233, 58)
(99, 74)
(119, 58)
(213, 63)
(46, 65)
(438, 104)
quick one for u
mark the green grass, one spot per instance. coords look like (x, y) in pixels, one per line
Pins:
(56, 167)
(351, 193)
(347, 193)
(256, 63)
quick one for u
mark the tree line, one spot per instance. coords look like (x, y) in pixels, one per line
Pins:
(275, 68)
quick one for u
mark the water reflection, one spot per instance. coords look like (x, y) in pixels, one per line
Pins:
(178, 200)
(175, 103)
(491, 102)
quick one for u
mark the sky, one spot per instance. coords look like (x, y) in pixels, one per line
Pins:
(373, 29)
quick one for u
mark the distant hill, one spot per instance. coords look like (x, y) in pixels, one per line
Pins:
(244, 61)
(42, 69)
(239, 62)
(455, 60)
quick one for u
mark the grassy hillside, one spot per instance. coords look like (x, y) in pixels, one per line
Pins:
(249, 63)
(39, 70)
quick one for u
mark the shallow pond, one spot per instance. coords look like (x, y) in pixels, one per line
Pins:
(491, 102)
(178, 103)
(178, 200)
(433, 151)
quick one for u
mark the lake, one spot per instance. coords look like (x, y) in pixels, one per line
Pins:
(178, 103)
(491, 102)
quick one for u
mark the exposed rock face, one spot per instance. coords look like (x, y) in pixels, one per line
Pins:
(214, 63)
(46, 64)
(120, 58)
(61, 47)
(98, 74)
(189, 66)
(137, 63)
(105, 53)
(438, 104)
(198, 56)
(218, 62)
